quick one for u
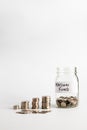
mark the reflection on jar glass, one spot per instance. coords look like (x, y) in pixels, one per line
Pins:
(67, 87)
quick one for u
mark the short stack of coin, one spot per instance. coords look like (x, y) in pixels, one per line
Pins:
(66, 102)
(35, 103)
(46, 102)
(25, 105)
(15, 107)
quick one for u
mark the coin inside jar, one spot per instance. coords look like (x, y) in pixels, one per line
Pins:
(66, 102)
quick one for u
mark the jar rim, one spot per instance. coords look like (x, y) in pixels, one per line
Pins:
(66, 69)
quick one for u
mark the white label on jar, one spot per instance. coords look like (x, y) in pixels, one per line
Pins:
(62, 87)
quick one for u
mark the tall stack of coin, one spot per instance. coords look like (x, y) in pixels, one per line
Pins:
(46, 102)
(25, 105)
(35, 103)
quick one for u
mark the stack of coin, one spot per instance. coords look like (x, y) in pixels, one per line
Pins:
(66, 102)
(35, 103)
(25, 105)
(15, 107)
(46, 102)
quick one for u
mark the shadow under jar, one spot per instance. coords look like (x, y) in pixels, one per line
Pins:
(67, 87)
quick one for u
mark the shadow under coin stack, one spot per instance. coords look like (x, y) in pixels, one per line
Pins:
(46, 102)
(35, 103)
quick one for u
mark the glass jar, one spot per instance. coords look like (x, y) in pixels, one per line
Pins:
(67, 87)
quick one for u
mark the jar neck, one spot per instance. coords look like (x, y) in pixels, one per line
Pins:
(66, 74)
(67, 71)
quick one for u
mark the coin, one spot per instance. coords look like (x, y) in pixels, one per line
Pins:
(66, 102)
(35, 99)
(46, 98)
(46, 102)
(35, 103)
(25, 105)
(35, 111)
(15, 107)
(24, 112)
(44, 111)
(63, 104)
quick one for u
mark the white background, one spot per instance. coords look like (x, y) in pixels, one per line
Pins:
(35, 38)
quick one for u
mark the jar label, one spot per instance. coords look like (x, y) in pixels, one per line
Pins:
(62, 87)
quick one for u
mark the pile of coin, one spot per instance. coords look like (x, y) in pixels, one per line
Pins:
(46, 102)
(67, 102)
(25, 105)
(35, 103)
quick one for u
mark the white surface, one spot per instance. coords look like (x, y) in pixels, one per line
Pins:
(58, 119)
(35, 38)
